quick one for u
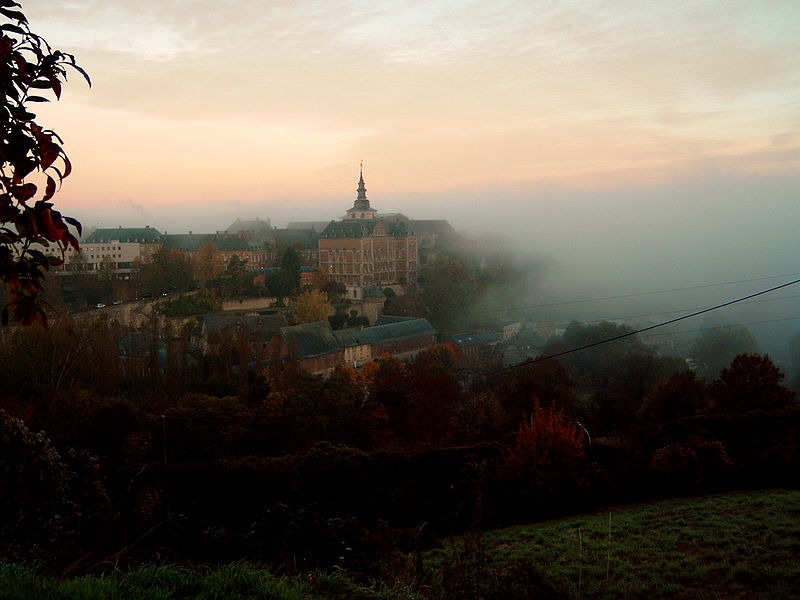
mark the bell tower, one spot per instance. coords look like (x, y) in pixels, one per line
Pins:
(361, 208)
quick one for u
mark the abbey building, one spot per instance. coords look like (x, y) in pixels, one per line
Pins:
(363, 250)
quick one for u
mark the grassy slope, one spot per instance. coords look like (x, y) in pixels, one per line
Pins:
(731, 546)
(740, 545)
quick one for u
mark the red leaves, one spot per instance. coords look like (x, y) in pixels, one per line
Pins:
(547, 444)
(28, 64)
(23, 192)
(50, 190)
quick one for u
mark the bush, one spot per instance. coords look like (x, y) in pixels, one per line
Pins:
(675, 468)
(49, 504)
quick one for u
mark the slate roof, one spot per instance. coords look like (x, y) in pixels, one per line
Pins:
(261, 327)
(386, 319)
(192, 242)
(395, 332)
(308, 237)
(256, 225)
(374, 292)
(316, 226)
(356, 228)
(349, 337)
(474, 339)
(144, 235)
(311, 339)
(431, 227)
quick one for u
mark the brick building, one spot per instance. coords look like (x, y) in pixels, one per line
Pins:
(362, 250)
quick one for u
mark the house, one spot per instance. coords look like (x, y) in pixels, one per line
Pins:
(319, 349)
(511, 328)
(225, 246)
(475, 347)
(111, 253)
(357, 351)
(257, 331)
(305, 241)
(404, 339)
(313, 345)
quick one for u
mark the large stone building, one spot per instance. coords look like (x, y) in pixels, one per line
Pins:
(362, 250)
(110, 252)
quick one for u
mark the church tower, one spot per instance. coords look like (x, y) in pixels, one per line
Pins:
(361, 208)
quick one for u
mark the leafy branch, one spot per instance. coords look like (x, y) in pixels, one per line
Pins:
(30, 70)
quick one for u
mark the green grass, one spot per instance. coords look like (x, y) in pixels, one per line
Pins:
(235, 581)
(731, 546)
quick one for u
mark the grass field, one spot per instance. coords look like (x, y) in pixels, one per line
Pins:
(733, 546)
(730, 546)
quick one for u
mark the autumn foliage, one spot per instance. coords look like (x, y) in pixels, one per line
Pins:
(547, 444)
(29, 67)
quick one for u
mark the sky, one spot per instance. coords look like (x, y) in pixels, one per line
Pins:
(624, 145)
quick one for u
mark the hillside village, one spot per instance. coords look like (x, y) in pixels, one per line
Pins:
(245, 282)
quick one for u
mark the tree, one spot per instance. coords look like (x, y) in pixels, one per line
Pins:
(236, 281)
(750, 382)
(794, 356)
(106, 268)
(682, 395)
(209, 262)
(547, 459)
(29, 67)
(291, 261)
(281, 283)
(448, 289)
(311, 306)
(717, 347)
(168, 268)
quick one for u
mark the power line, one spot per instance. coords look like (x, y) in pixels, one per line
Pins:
(675, 312)
(623, 296)
(682, 331)
(637, 331)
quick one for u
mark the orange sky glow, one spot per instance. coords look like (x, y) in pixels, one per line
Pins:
(266, 109)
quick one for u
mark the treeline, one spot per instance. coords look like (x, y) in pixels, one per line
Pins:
(204, 461)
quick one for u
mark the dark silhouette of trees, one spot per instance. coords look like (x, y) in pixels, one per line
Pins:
(717, 347)
(291, 261)
(682, 395)
(169, 269)
(751, 382)
(29, 67)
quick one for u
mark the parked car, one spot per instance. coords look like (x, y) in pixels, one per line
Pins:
(117, 302)
(99, 305)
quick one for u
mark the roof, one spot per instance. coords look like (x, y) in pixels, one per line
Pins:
(310, 339)
(144, 235)
(385, 319)
(192, 242)
(308, 237)
(249, 226)
(374, 292)
(316, 226)
(356, 228)
(395, 332)
(260, 327)
(474, 339)
(349, 337)
(431, 227)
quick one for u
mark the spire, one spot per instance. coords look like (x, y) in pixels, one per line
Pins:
(361, 208)
(361, 203)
